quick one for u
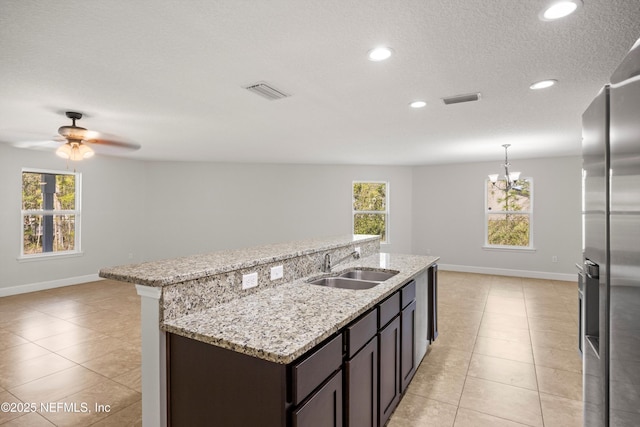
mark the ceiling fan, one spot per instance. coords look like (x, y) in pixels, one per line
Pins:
(79, 143)
(79, 140)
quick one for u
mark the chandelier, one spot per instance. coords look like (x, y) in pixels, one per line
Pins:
(511, 179)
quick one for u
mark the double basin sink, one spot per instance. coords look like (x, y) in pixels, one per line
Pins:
(357, 279)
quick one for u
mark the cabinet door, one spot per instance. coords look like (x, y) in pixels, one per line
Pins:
(407, 345)
(389, 369)
(361, 396)
(433, 303)
(323, 408)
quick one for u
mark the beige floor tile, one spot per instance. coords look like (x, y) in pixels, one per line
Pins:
(56, 386)
(85, 351)
(507, 293)
(458, 339)
(130, 416)
(502, 401)
(55, 327)
(69, 309)
(515, 308)
(560, 383)
(20, 353)
(468, 418)
(504, 349)
(7, 415)
(504, 321)
(504, 371)
(441, 386)
(446, 359)
(417, 411)
(109, 395)
(115, 363)
(518, 335)
(34, 320)
(9, 339)
(560, 412)
(552, 339)
(70, 338)
(543, 324)
(22, 372)
(32, 419)
(131, 379)
(558, 359)
(563, 316)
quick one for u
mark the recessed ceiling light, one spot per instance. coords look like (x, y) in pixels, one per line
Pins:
(380, 53)
(543, 84)
(418, 104)
(560, 9)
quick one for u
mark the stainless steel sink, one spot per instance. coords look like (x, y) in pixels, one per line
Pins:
(344, 283)
(372, 275)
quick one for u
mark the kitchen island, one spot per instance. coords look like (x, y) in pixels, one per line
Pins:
(199, 300)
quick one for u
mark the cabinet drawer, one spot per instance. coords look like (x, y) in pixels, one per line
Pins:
(312, 371)
(361, 331)
(408, 293)
(324, 408)
(389, 309)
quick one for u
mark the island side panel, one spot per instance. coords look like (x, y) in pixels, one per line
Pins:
(209, 385)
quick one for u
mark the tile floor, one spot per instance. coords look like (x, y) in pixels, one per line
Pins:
(505, 356)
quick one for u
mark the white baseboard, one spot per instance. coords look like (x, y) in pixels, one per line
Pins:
(51, 284)
(508, 272)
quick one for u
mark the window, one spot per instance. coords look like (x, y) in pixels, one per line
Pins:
(371, 209)
(50, 213)
(508, 215)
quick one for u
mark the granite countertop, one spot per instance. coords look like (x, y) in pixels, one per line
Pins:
(177, 270)
(281, 324)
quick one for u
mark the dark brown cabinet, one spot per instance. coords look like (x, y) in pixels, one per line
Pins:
(432, 274)
(355, 378)
(323, 408)
(389, 357)
(407, 345)
(361, 378)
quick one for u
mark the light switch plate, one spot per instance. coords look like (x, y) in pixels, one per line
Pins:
(276, 272)
(249, 280)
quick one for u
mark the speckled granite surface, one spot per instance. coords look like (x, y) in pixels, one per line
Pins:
(280, 324)
(195, 267)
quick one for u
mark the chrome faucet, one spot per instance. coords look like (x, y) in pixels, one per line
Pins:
(326, 266)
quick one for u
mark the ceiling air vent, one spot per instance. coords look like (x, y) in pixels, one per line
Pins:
(266, 91)
(461, 98)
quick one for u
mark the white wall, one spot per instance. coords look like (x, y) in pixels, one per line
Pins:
(159, 210)
(112, 219)
(200, 207)
(448, 218)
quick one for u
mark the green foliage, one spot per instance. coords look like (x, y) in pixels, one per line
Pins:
(370, 198)
(508, 228)
(63, 225)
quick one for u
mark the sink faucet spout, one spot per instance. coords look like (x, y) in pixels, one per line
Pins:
(327, 265)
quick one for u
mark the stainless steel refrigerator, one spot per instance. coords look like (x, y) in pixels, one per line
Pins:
(610, 279)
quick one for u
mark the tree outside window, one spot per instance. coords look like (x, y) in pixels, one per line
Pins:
(50, 212)
(508, 214)
(371, 209)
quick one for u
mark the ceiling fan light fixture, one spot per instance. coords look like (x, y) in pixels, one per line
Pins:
(75, 151)
(418, 104)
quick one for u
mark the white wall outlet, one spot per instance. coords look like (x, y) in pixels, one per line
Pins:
(249, 280)
(277, 272)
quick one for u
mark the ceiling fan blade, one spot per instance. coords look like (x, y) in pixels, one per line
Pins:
(114, 143)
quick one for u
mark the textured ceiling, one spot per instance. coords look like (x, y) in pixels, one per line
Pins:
(169, 75)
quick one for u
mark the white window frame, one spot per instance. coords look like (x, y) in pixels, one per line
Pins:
(529, 213)
(387, 227)
(77, 212)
